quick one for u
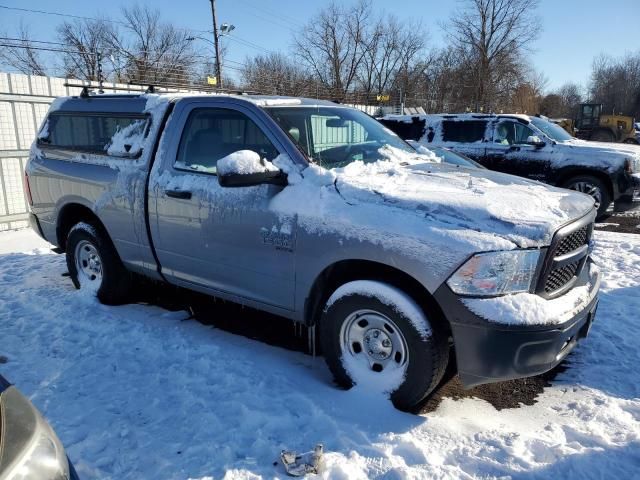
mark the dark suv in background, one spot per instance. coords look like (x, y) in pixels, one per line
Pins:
(532, 147)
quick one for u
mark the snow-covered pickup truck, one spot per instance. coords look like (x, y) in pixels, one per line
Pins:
(317, 212)
(534, 148)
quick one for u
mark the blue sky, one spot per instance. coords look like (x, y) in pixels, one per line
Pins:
(573, 30)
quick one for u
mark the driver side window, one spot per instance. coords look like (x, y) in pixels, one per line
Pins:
(512, 133)
(213, 133)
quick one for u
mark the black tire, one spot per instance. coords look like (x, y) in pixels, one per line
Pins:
(427, 355)
(592, 186)
(113, 285)
(631, 141)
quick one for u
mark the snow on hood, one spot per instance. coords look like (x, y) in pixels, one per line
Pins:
(464, 209)
(604, 152)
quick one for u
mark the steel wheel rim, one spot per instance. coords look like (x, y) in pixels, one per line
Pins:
(590, 189)
(88, 263)
(375, 341)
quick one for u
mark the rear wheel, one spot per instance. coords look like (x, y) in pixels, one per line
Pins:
(591, 186)
(375, 336)
(94, 264)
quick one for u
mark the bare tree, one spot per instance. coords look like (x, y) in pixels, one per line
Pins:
(274, 73)
(528, 93)
(616, 83)
(492, 36)
(23, 55)
(563, 102)
(333, 44)
(151, 51)
(391, 50)
(87, 43)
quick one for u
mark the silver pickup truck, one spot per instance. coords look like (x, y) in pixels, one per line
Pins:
(318, 213)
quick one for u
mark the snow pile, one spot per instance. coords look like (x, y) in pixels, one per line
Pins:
(139, 392)
(243, 162)
(128, 141)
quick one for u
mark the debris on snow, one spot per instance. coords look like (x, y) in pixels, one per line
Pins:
(299, 465)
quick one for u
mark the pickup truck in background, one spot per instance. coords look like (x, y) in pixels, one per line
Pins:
(534, 148)
(316, 212)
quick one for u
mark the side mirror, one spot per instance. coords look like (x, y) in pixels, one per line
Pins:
(245, 168)
(535, 141)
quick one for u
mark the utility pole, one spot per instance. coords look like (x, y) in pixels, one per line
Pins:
(99, 71)
(216, 44)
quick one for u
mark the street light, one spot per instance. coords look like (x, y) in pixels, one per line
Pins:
(226, 28)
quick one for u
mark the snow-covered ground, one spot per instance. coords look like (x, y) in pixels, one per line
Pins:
(140, 392)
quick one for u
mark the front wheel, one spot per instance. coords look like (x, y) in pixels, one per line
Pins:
(94, 264)
(591, 186)
(375, 336)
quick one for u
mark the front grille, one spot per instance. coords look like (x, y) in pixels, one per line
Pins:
(559, 277)
(573, 242)
(565, 258)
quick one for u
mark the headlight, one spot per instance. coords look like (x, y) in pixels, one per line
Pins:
(496, 273)
(37, 452)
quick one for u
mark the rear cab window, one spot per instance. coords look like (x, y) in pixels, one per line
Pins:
(95, 133)
(463, 131)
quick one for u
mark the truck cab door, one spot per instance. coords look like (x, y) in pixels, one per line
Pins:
(224, 241)
(509, 152)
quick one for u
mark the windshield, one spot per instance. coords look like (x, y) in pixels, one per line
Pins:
(454, 158)
(336, 136)
(551, 130)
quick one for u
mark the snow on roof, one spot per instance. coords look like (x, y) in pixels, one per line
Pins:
(457, 116)
(166, 97)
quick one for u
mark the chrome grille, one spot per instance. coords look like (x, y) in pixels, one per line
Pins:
(574, 241)
(565, 258)
(559, 277)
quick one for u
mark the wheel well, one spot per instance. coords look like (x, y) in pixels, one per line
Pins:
(350, 270)
(603, 177)
(70, 215)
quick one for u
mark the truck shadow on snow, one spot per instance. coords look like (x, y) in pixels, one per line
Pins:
(283, 333)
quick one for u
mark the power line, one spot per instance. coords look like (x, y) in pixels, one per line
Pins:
(64, 15)
(279, 15)
(81, 17)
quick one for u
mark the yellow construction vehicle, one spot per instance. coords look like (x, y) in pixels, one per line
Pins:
(566, 124)
(592, 124)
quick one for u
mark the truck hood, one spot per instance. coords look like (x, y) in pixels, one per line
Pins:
(606, 154)
(524, 212)
(431, 202)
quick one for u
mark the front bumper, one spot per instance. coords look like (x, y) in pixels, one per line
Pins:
(488, 351)
(630, 198)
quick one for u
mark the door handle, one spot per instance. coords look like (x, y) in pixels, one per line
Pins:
(178, 194)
